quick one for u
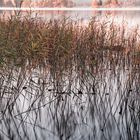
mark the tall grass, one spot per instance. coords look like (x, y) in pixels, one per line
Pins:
(24, 39)
(62, 81)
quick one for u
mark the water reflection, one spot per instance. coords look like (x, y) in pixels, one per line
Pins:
(130, 17)
(81, 102)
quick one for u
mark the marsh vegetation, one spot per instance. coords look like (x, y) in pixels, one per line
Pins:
(63, 81)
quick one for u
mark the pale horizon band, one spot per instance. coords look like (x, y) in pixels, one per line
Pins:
(69, 9)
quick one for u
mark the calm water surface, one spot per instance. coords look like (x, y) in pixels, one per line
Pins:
(130, 17)
(82, 102)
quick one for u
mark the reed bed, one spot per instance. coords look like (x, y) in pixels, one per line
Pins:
(35, 41)
(62, 81)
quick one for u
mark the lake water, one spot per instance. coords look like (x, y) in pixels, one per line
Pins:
(102, 103)
(130, 17)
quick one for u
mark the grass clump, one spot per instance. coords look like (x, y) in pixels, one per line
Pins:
(25, 40)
